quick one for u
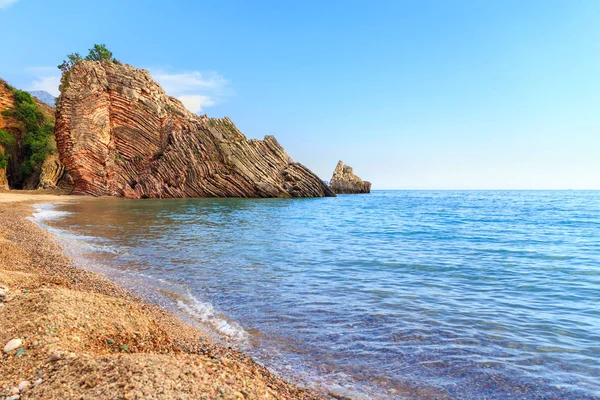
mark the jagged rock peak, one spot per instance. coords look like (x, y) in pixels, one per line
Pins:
(120, 134)
(344, 181)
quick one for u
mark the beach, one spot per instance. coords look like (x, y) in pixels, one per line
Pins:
(80, 335)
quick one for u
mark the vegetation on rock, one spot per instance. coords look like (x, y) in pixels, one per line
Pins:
(6, 141)
(143, 143)
(97, 53)
(37, 133)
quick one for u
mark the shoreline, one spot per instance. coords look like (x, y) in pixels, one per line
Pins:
(83, 335)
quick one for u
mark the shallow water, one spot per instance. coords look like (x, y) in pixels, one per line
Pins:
(396, 294)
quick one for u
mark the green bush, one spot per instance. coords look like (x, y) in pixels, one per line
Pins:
(97, 53)
(3, 159)
(6, 139)
(38, 132)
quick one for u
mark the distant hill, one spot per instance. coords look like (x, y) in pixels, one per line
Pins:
(44, 97)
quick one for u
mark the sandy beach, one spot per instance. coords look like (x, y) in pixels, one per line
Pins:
(75, 334)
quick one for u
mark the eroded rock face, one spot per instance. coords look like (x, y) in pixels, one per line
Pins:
(7, 123)
(52, 173)
(119, 134)
(344, 181)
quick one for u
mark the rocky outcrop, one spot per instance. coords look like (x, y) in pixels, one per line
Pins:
(344, 181)
(7, 124)
(120, 134)
(51, 174)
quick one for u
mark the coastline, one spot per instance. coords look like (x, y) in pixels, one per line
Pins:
(83, 335)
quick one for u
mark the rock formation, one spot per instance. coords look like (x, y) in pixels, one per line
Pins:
(7, 124)
(51, 173)
(344, 181)
(120, 134)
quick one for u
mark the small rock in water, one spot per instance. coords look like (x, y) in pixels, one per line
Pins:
(23, 386)
(12, 345)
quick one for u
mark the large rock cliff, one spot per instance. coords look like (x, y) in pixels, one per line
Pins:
(7, 124)
(51, 173)
(344, 181)
(120, 134)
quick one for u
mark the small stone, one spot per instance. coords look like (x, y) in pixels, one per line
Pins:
(38, 382)
(55, 357)
(14, 390)
(23, 386)
(109, 341)
(13, 397)
(12, 345)
(20, 352)
(2, 294)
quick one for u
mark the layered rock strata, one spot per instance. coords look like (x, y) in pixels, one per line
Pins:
(120, 134)
(52, 173)
(344, 181)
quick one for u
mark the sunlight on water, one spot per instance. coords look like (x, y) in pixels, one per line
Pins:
(389, 295)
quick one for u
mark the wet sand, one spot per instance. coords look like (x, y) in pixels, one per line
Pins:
(82, 336)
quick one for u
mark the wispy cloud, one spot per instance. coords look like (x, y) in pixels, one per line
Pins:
(45, 78)
(195, 89)
(7, 3)
(196, 102)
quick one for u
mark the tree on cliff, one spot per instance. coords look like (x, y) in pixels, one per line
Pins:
(97, 53)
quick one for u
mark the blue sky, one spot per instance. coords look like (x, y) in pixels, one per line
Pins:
(413, 94)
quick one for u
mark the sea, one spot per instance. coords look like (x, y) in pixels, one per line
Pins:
(388, 295)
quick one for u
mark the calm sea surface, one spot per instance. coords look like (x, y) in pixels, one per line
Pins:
(397, 294)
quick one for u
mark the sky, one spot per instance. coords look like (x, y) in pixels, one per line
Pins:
(423, 94)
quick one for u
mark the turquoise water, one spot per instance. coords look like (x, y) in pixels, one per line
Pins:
(397, 294)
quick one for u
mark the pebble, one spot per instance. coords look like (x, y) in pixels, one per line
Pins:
(14, 390)
(38, 382)
(54, 357)
(12, 345)
(23, 386)
(13, 397)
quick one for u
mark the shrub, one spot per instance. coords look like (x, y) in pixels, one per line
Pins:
(6, 139)
(38, 132)
(3, 159)
(71, 60)
(97, 53)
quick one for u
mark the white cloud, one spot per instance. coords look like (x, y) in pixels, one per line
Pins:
(48, 84)
(45, 78)
(7, 3)
(196, 103)
(195, 89)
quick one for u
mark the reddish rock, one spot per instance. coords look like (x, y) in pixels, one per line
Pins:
(119, 134)
(52, 172)
(344, 181)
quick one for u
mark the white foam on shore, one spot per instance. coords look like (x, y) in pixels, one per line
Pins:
(47, 212)
(157, 290)
(205, 313)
